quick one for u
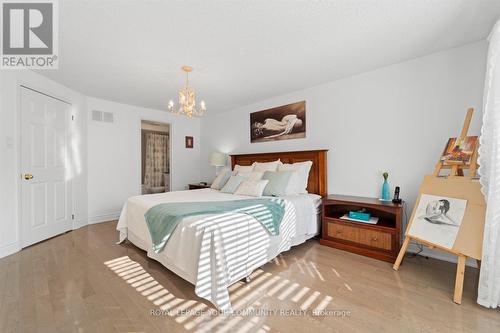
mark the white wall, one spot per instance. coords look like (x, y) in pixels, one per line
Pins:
(10, 82)
(114, 155)
(396, 118)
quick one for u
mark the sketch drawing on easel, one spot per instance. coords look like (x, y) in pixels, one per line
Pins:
(280, 123)
(438, 219)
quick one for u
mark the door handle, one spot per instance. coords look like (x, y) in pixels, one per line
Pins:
(28, 176)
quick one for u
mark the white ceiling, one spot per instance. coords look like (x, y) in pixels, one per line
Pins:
(245, 51)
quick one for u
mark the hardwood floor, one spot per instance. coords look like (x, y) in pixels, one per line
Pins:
(82, 282)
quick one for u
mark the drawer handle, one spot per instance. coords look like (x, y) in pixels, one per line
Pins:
(339, 231)
(374, 239)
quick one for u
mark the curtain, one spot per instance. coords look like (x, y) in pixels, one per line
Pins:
(489, 170)
(156, 159)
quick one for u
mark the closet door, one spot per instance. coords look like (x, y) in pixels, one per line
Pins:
(46, 195)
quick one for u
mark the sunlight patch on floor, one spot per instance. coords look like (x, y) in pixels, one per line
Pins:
(199, 317)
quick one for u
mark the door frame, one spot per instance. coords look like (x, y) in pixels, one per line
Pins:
(170, 130)
(19, 137)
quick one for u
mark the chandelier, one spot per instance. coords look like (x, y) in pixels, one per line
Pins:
(187, 100)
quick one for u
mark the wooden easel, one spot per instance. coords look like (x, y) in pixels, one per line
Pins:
(458, 185)
(457, 168)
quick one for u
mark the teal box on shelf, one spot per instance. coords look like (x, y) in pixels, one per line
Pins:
(360, 216)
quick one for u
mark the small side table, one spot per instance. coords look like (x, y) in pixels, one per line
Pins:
(198, 186)
(380, 241)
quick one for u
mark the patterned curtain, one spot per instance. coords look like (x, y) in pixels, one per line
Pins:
(156, 159)
(489, 161)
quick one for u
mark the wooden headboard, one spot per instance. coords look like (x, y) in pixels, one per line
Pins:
(317, 176)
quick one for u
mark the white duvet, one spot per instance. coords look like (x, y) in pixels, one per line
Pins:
(214, 251)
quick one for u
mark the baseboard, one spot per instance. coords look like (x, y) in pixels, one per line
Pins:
(104, 218)
(7, 250)
(440, 255)
(79, 223)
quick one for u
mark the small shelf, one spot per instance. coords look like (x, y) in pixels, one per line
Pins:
(389, 225)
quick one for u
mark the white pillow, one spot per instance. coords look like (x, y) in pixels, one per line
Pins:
(254, 175)
(221, 179)
(243, 168)
(293, 186)
(253, 188)
(267, 166)
(300, 182)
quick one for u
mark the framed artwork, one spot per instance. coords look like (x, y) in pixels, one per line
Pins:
(459, 151)
(280, 123)
(438, 219)
(189, 142)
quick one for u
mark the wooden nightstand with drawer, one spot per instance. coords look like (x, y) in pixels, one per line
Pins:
(198, 186)
(380, 241)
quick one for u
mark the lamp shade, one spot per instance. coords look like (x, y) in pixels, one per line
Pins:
(218, 159)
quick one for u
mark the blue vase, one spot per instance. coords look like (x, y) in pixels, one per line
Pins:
(386, 191)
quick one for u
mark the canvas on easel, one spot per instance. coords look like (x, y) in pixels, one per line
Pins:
(449, 213)
(437, 219)
(460, 151)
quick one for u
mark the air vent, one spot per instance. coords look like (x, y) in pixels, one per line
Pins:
(106, 117)
(96, 115)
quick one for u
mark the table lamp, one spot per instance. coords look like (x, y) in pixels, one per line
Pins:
(217, 160)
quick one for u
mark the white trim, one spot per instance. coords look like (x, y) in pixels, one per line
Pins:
(77, 224)
(19, 171)
(426, 252)
(104, 218)
(7, 250)
(41, 92)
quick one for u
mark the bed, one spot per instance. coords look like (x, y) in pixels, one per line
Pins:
(214, 251)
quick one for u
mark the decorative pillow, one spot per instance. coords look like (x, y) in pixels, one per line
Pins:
(253, 188)
(243, 168)
(221, 179)
(267, 166)
(302, 169)
(254, 175)
(278, 181)
(293, 186)
(232, 184)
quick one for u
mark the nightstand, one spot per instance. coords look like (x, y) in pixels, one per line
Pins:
(198, 186)
(379, 241)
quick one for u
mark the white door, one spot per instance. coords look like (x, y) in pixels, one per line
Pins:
(46, 195)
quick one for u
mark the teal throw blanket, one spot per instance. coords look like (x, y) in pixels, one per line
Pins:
(162, 219)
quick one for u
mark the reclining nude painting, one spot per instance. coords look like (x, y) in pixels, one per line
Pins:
(279, 123)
